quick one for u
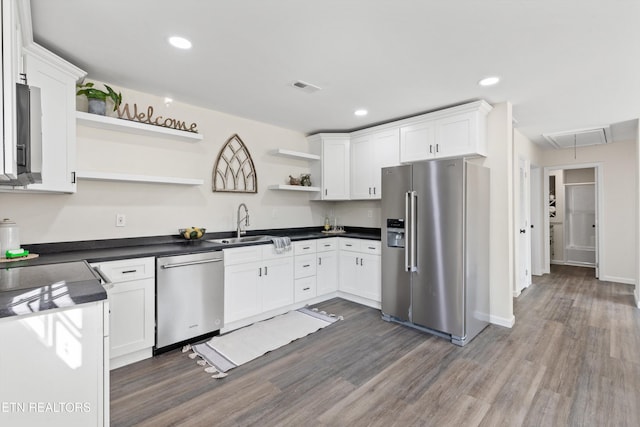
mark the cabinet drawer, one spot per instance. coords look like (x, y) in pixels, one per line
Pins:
(269, 252)
(305, 289)
(329, 244)
(360, 245)
(347, 244)
(305, 265)
(304, 247)
(371, 247)
(129, 269)
(242, 255)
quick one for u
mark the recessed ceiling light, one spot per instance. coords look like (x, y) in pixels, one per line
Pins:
(361, 113)
(489, 81)
(180, 42)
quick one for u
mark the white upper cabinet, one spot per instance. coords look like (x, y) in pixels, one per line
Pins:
(418, 142)
(369, 154)
(334, 165)
(11, 68)
(350, 164)
(455, 132)
(56, 79)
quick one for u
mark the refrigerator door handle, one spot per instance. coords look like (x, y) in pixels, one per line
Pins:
(407, 246)
(410, 215)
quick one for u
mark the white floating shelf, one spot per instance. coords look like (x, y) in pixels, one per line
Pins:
(294, 154)
(294, 188)
(108, 176)
(129, 126)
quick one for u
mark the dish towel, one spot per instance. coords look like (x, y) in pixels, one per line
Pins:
(282, 244)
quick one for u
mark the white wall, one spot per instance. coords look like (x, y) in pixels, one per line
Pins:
(160, 209)
(618, 256)
(500, 161)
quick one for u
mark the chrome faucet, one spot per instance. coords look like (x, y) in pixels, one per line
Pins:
(239, 230)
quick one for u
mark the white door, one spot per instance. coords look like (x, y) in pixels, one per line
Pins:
(524, 231)
(581, 224)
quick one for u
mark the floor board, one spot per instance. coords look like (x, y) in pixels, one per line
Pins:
(572, 358)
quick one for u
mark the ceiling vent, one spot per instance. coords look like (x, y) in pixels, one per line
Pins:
(305, 87)
(579, 138)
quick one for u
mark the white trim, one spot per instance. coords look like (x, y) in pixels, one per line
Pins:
(616, 279)
(502, 321)
(294, 154)
(637, 300)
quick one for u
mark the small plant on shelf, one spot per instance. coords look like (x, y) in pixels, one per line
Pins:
(98, 98)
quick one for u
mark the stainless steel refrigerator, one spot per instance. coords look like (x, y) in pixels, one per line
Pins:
(435, 247)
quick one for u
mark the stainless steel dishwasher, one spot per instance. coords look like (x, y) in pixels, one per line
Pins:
(189, 297)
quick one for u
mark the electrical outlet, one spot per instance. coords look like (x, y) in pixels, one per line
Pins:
(121, 220)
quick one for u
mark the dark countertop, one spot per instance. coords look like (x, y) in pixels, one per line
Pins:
(62, 277)
(113, 249)
(32, 289)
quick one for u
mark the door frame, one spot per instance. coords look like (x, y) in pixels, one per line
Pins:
(598, 166)
(536, 198)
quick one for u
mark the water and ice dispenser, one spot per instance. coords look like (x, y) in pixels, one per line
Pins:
(395, 232)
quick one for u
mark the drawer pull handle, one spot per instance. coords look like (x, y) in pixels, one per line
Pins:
(306, 265)
(348, 244)
(319, 260)
(372, 247)
(129, 271)
(305, 289)
(306, 247)
(327, 246)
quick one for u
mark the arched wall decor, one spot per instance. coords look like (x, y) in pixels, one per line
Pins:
(234, 171)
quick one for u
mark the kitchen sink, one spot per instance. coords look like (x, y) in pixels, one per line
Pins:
(243, 239)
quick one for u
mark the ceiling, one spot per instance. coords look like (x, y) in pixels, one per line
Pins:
(565, 65)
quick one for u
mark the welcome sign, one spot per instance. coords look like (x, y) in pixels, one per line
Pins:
(124, 112)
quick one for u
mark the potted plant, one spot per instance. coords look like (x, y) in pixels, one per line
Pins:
(98, 98)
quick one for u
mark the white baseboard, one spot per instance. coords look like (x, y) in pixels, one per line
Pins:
(502, 321)
(625, 280)
(637, 302)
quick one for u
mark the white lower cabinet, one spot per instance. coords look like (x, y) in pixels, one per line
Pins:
(52, 368)
(131, 295)
(327, 266)
(277, 277)
(256, 279)
(241, 291)
(359, 270)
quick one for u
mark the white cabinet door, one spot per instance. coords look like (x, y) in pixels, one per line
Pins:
(417, 142)
(57, 89)
(276, 283)
(369, 154)
(349, 266)
(361, 182)
(385, 151)
(242, 296)
(370, 277)
(327, 272)
(335, 169)
(11, 43)
(455, 135)
(132, 316)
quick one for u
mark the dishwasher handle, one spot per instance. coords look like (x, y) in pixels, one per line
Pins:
(184, 264)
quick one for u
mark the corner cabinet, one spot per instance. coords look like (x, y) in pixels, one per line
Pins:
(360, 277)
(333, 169)
(56, 79)
(454, 132)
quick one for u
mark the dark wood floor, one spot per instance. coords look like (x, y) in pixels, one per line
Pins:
(573, 358)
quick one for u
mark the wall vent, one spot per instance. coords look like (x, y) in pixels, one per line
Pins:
(579, 138)
(305, 87)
